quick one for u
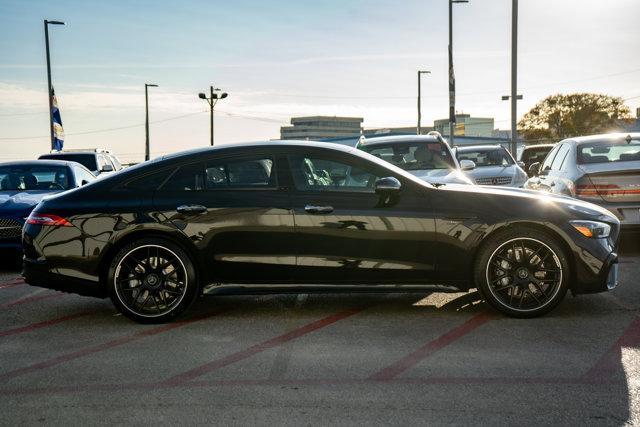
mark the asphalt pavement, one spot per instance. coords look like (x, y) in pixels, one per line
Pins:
(322, 359)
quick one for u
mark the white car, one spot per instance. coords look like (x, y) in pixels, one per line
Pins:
(494, 165)
(428, 157)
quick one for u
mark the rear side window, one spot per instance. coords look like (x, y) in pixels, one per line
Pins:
(248, 173)
(149, 182)
(559, 159)
(186, 178)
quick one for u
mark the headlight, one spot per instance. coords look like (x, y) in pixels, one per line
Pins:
(594, 229)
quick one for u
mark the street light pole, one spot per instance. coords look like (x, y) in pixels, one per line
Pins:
(419, 130)
(147, 149)
(50, 86)
(514, 77)
(452, 80)
(214, 96)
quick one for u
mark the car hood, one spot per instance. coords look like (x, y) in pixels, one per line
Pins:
(441, 176)
(21, 201)
(578, 208)
(491, 171)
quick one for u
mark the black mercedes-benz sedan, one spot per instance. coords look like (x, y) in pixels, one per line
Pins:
(310, 217)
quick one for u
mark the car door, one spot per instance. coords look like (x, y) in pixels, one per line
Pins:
(236, 213)
(345, 233)
(539, 182)
(553, 177)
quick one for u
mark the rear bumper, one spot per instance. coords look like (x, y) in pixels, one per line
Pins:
(38, 273)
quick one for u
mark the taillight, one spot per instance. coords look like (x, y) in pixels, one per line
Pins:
(47, 219)
(597, 190)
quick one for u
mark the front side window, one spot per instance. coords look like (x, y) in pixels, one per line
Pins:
(246, 173)
(483, 157)
(559, 159)
(33, 178)
(414, 156)
(317, 174)
(609, 151)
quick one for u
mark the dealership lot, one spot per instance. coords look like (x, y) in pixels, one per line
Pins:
(349, 359)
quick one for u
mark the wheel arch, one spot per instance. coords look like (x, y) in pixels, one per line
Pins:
(548, 229)
(176, 238)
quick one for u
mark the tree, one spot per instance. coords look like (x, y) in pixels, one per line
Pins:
(561, 116)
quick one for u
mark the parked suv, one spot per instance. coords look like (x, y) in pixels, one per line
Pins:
(97, 160)
(601, 169)
(531, 154)
(428, 157)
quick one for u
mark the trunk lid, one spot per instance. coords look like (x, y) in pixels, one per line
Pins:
(615, 182)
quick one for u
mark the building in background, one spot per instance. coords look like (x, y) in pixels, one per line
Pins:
(321, 127)
(467, 126)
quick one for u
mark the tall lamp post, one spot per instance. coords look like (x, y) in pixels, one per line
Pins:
(46, 41)
(147, 149)
(215, 95)
(452, 79)
(419, 130)
(514, 76)
(514, 130)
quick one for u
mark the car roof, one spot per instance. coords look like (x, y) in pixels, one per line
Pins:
(259, 144)
(379, 140)
(602, 137)
(477, 147)
(71, 153)
(41, 162)
(532, 146)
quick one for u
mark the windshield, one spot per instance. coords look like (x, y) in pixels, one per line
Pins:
(535, 154)
(609, 151)
(86, 160)
(33, 178)
(416, 156)
(483, 157)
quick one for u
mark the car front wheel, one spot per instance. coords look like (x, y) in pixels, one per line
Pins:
(522, 272)
(152, 281)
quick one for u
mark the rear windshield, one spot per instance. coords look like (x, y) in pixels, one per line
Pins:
(609, 151)
(486, 156)
(535, 154)
(86, 160)
(33, 178)
(416, 156)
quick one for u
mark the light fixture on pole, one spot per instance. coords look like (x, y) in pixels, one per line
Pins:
(46, 41)
(215, 95)
(452, 79)
(419, 129)
(146, 122)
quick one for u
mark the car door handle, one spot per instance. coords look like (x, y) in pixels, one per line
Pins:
(191, 209)
(312, 209)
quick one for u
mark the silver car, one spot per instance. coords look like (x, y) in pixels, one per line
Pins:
(601, 169)
(494, 165)
(428, 157)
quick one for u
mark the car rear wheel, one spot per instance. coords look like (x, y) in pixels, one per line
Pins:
(522, 272)
(152, 281)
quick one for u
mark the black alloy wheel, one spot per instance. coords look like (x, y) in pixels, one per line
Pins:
(152, 281)
(523, 276)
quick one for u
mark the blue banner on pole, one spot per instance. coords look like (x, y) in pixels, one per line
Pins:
(58, 131)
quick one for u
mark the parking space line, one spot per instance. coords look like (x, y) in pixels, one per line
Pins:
(206, 368)
(34, 326)
(104, 346)
(610, 362)
(34, 298)
(412, 359)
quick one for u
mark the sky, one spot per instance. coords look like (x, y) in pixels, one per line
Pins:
(279, 59)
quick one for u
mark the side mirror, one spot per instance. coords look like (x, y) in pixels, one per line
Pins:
(467, 165)
(521, 164)
(84, 182)
(534, 169)
(387, 186)
(107, 168)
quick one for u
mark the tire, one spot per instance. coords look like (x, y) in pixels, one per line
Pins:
(152, 280)
(522, 286)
